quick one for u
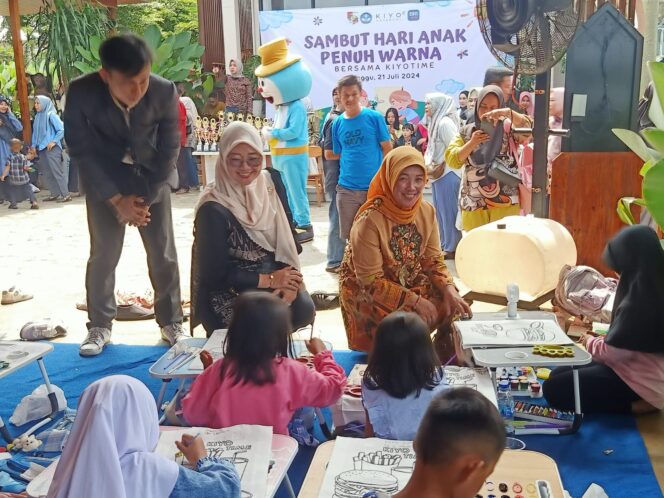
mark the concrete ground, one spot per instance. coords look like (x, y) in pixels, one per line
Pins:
(44, 253)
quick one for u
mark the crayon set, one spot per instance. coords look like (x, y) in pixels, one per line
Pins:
(540, 413)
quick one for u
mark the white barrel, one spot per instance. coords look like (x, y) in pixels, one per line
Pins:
(525, 250)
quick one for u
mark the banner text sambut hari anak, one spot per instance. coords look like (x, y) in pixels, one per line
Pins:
(401, 52)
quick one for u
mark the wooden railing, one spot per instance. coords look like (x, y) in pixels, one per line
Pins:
(626, 7)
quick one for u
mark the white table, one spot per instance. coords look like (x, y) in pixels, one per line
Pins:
(522, 466)
(284, 449)
(19, 354)
(511, 356)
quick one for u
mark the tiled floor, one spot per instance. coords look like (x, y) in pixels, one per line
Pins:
(44, 253)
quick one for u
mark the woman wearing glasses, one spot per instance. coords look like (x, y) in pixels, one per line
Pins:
(243, 236)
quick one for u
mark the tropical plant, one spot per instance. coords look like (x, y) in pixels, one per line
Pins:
(175, 56)
(171, 16)
(8, 83)
(651, 150)
(250, 65)
(69, 24)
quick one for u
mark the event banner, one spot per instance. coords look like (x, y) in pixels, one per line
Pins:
(401, 52)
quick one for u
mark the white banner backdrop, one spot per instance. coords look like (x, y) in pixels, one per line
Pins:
(401, 52)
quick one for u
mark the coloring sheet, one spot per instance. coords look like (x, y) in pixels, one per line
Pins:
(361, 465)
(249, 447)
(475, 378)
(214, 346)
(515, 332)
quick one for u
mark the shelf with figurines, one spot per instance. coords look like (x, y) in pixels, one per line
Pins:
(209, 130)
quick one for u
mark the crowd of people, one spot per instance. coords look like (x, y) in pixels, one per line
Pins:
(387, 244)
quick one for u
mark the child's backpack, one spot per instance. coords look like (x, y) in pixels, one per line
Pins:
(584, 292)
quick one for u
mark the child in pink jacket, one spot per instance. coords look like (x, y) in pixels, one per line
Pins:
(255, 382)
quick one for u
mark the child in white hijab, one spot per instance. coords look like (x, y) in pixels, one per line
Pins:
(110, 451)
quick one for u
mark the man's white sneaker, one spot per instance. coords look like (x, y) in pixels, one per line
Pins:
(95, 341)
(173, 333)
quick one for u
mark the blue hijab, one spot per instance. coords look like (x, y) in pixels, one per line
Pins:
(47, 127)
(11, 128)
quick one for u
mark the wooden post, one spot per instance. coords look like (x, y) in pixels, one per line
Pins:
(19, 62)
(631, 14)
(590, 8)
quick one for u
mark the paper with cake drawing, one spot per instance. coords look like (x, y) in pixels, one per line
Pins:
(361, 465)
(249, 447)
(474, 378)
(516, 332)
(214, 346)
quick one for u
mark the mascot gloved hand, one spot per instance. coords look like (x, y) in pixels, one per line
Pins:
(266, 132)
(284, 80)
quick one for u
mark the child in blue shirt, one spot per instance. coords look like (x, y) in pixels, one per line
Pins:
(459, 441)
(360, 139)
(16, 178)
(402, 377)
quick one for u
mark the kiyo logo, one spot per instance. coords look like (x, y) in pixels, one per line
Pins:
(366, 18)
(414, 15)
(390, 16)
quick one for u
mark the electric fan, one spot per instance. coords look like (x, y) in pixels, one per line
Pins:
(530, 37)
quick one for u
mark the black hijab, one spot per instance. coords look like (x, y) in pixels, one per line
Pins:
(637, 322)
(486, 152)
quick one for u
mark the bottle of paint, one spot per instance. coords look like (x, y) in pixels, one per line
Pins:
(512, 295)
(506, 407)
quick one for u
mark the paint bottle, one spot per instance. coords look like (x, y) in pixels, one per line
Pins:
(512, 295)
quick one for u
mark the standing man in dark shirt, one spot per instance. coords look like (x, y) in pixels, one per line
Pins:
(121, 126)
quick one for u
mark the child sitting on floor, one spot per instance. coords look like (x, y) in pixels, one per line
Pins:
(255, 382)
(402, 377)
(627, 371)
(459, 441)
(16, 178)
(110, 451)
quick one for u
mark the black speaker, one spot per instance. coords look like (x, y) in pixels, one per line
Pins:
(602, 82)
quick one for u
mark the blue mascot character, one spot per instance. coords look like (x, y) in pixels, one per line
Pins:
(284, 80)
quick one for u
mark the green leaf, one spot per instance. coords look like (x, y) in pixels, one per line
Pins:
(655, 137)
(84, 52)
(152, 37)
(95, 43)
(624, 209)
(85, 68)
(181, 40)
(647, 166)
(657, 74)
(653, 192)
(634, 142)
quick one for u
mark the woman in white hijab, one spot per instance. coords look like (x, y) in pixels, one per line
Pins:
(110, 451)
(443, 120)
(238, 90)
(243, 236)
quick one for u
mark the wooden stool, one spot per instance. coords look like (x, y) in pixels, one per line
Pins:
(317, 179)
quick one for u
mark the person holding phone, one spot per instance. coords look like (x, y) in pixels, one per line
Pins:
(484, 199)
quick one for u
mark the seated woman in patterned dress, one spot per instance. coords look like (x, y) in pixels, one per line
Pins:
(394, 260)
(243, 236)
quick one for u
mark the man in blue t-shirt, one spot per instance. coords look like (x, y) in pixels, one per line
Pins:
(360, 139)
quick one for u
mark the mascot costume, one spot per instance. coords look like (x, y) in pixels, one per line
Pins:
(284, 80)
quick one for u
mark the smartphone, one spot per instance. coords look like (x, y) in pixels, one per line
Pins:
(487, 127)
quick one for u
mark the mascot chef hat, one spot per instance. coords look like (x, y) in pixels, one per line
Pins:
(283, 77)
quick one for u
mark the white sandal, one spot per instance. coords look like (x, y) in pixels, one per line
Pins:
(14, 295)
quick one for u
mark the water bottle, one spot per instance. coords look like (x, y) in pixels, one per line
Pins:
(512, 300)
(506, 406)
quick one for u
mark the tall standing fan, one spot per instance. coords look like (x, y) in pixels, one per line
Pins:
(530, 37)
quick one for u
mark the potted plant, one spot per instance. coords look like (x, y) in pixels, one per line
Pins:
(649, 146)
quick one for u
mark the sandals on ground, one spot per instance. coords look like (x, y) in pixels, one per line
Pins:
(325, 300)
